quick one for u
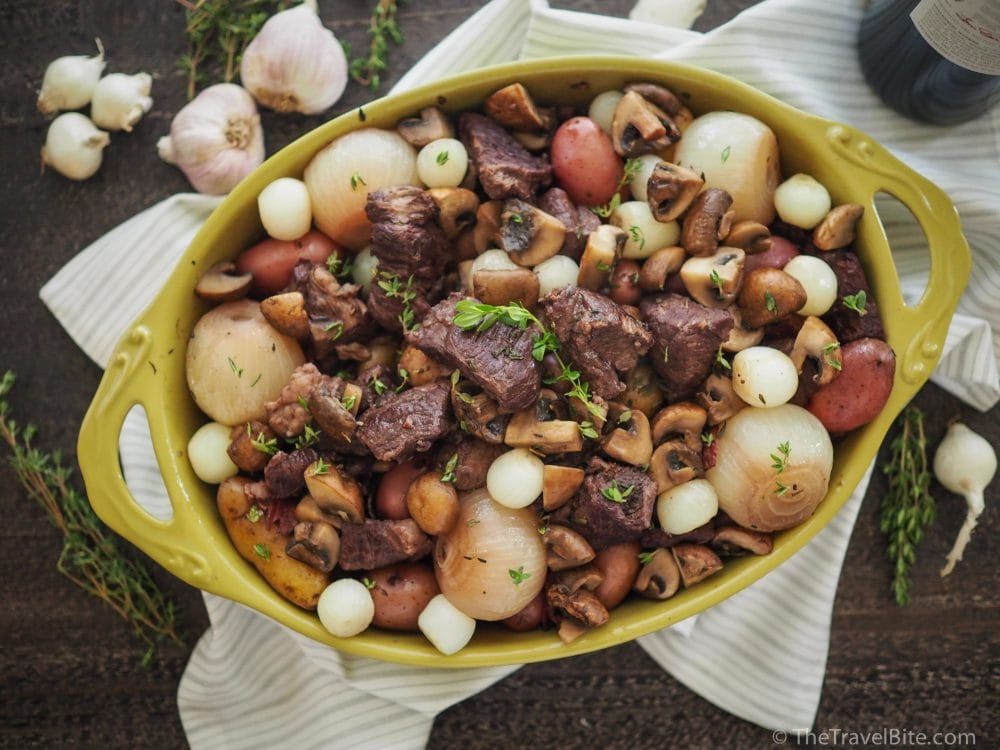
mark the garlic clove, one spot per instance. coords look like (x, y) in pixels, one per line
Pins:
(295, 64)
(74, 146)
(120, 100)
(69, 81)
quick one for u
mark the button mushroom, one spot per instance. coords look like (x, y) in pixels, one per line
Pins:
(315, 544)
(513, 107)
(604, 247)
(656, 269)
(674, 463)
(707, 221)
(287, 314)
(629, 440)
(583, 606)
(640, 127)
(243, 447)
(735, 540)
(223, 283)
(431, 125)
(559, 484)
(641, 391)
(681, 419)
(719, 398)
(478, 415)
(714, 280)
(741, 337)
(836, 230)
(307, 509)
(696, 562)
(457, 208)
(528, 234)
(660, 577)
(503, 286)
(332, 416)
(538, 427)
(584, 577)
(817, 341)
(661, 96)
(566, 548)
(769, 295)
(752, 236)
(671, 189)
(486, 232)
(334, 492)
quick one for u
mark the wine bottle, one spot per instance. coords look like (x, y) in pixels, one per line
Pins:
(933, 60)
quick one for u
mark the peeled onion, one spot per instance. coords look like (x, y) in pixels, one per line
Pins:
(340, 177)
(473, 562)
(207, 451)
(748, 485)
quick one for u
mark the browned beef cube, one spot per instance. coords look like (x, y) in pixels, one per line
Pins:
(614, 504)
(402, 425)
(375, 544)
(284, 474)
(848, 324)
(506, 169)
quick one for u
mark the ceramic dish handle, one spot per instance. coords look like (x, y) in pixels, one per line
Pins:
(183, 543)
(925, 324)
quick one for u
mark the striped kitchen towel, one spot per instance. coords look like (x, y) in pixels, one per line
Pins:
(253, 683)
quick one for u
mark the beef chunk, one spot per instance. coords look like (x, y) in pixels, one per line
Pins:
(654, 536)
(597, 335)
(498, 359)
(375, 544)
(579, 221)
(847, 324)
(506, 168)
(404, 424)
(287, 415)
(472, 460)
(686, 336)
(284, 473)
(604, 522)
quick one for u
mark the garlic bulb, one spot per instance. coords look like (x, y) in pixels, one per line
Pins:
(216, 139)
(295, 64)
(120, 100)
(69, 81)
(74, 146)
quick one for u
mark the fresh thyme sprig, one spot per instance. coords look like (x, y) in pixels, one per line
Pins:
(907, 506)
(480, 317)
(90, 555)
(383, 28)
(405, 293)
(631, 167)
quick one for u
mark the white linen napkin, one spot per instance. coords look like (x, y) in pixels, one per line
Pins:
(238, 684)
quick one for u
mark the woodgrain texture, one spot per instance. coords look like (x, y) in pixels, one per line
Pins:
(69, 669)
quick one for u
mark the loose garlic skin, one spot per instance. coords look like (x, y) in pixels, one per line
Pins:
(555, 273)
(74, 146)
(120, 100)
(345, 608)
(640, 178)
(364, 269)
(285, 209)
(818, 280)
(207, 452)
(445, 626)
(442, 163)
(645, 235)
(515, 478)
(69, 82)
(764, 377)
(687, 506)
(494, 260)
(802, 201)
(602, 108)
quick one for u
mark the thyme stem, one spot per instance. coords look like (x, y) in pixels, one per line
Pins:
(382, 29)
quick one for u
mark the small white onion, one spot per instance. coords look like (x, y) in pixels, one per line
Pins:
(74, 147)
(602, 108)
(443, 163)
(493, 260)
(364, 269)
(285, 210)
(555, 273)
(445, 626)
(345, 607)
(640, 178)
(120, 100)
(69, 81)
(819, 281)
(515, 478)
(687, 506)
(764, 376)
(644, 234)
(802, 201)
(207, 452)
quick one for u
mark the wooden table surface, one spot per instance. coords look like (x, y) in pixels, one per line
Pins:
(69, 669)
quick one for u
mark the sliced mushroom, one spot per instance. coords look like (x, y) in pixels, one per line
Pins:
(566, 548)
(629, 440)
(816, 340)
(457, 209)
(603, 248)
(528, 430)
(478, 415)
(559, 484)
(504, 286)
(659, 95)
(513, 107)
(243, 442)
(422, 369)
(660, 577)
(528, 234)
(750, 235)
(223, 283)
(585, 577)
(581, 605)
(486, 233)
(769, 295)
(570, 630)
(741, 337)
(332, 415)
(714, 280)
(656, 269)
(837, 229)
(684, 419)
(315, 544)
(735, 540)
(335, 492)
(696, 561)
(671, 189)
(431, 125)
(674, 463)
(641, 391)
(307, 509)
(719, 398)
(535, 140)
(707, 221)
(640, 127)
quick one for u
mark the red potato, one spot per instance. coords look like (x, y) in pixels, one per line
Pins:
(858, 393)
(271, 261)
(620, 565)
(624, 282)
(400, 594)
(584, 162)
(390, 497)
(528, 618)
(780, 252)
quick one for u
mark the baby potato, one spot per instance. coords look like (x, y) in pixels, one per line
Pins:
(856, 396)
(432, 503)
(400, 594)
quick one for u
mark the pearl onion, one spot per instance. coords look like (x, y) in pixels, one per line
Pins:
(819, 281)
(555, 273)
(602, 108)
(493, 260)
(442, 163)
(364, 269)
(445, 626)
(640, 178)
(645, 235)
(208, 455)
(764, 377)
(514, 479)
(345, 607)
(687, 506)
(285, 210)
(802, 201)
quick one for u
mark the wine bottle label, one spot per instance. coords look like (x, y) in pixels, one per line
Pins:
(966, 32)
